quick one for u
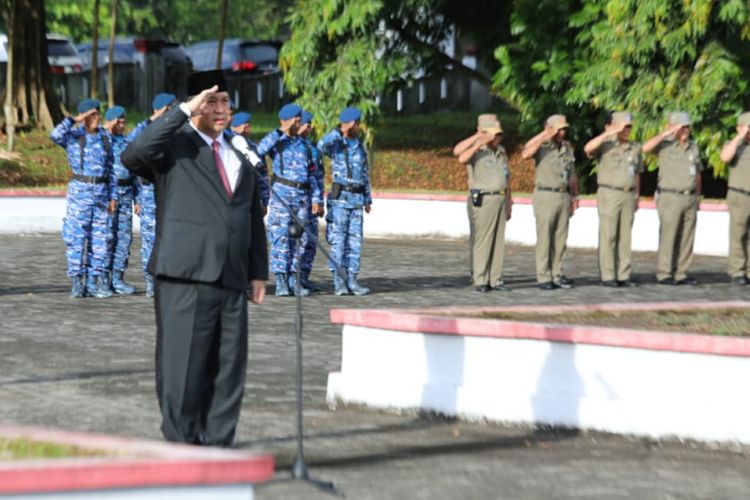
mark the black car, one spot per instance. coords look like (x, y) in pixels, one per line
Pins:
(237, 56)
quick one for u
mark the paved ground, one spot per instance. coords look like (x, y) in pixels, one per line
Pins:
(87, 365)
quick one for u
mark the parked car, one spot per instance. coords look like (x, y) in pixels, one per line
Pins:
(173, 53)
(62, 55)
(237, 55)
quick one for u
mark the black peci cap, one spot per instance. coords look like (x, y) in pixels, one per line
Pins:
(198, 82)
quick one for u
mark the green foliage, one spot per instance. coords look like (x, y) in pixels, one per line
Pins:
(186, 21)
(586, 57)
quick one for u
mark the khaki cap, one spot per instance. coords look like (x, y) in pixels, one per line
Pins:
(680, 118)
(557, 121)
(622, 117)
(489, 123)
(744, 119)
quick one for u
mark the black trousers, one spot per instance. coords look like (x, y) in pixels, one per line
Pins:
(201, 359)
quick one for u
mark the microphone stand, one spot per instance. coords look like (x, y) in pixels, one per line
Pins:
(296, 230)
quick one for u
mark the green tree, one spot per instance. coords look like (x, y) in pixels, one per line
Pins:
(650, 58)
(348, 52)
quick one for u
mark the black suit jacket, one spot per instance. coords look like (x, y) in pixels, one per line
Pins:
(201, 235)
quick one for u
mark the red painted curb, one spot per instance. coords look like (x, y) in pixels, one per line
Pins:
(425, 321)
(135, 464)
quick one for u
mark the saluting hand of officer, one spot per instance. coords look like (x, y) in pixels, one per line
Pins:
(671, 130)
(156, 114)
(80, 117)
(742, 130)
(194, 104)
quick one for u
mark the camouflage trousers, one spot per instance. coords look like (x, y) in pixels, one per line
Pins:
(121, 230)
(311, 246)
(148, 224)
(346, 238)
(86, 229)
(285, 257)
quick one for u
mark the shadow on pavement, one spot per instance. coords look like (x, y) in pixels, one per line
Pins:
(34, 289)
(59, 377)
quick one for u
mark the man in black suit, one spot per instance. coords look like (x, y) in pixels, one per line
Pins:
(210, 258)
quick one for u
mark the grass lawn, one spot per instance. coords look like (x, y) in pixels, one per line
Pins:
(18, 449)
(727, 322)
(409, 153)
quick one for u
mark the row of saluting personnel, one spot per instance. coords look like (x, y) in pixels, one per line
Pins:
(103, 194)
(619, 164)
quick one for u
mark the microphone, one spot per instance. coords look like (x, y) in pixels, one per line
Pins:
(241, 145)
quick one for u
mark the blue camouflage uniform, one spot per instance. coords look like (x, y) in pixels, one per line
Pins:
(146, 201)
(311, 245)
(290, 164)
(93, 186)
(350, 193)
(127, 187)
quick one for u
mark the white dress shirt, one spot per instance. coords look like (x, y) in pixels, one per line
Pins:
(231, 162)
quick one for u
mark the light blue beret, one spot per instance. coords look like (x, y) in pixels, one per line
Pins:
(114, 113)
(161, 100)
(289, 111)
(88, 105)
(241, 118)
(350, 115)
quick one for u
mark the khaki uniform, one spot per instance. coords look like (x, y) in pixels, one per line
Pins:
(488, 172)
(554, 169)
(677, 205)
(617, 168)
(738, 200)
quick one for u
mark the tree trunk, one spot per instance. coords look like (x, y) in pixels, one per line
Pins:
(95, 53)
(8, 108)
(111, 64)
(31, 84)
(222, 32)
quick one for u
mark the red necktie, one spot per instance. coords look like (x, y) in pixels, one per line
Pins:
(220, 169)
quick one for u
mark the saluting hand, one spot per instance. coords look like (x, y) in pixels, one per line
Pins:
(742, 130)
(672, 130)
(156, 114)
(194, 104)
(80, 117)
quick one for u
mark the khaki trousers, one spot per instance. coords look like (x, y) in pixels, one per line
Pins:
(487, 224)
(677, 218)
(739, 242)
(552, 212)
(616, 214)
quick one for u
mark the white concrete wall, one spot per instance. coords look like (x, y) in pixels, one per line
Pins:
(621, 390)
(421, 218)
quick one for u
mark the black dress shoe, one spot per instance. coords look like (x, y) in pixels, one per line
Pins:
(629, 283)
(667, 281)
(483, 289)
(610, 283)
(739, 280)
(688, 281)
(565, 283)
(500, 286)
(547, 285)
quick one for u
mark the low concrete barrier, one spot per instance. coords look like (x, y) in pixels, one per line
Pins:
(130, 470)
(615, 380)
(418, 215)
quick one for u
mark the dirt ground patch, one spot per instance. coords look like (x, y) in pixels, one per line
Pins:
(724, 322)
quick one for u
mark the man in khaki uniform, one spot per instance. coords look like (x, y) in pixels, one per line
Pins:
(737, 154)
(619, 166)
(677, 202)
(489, 203)
(555, 199)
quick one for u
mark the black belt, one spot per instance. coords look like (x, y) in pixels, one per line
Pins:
(90, 179)
(684, 192)
(124, 182)
(553, 190)
(490, 193)
(291, 183)
(739, 190)
(349, 188)
(623, 189)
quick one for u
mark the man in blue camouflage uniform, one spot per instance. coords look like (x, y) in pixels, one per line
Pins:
(121, 228)
(311, 246)
(295, 182)
(145, 206)
(241, 125)
(90, 193)
(350, 194)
